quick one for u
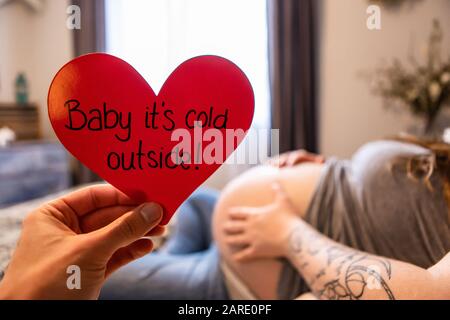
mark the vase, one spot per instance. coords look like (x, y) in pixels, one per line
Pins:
(420, 129)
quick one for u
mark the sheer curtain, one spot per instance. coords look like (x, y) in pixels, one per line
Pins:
(155, 36)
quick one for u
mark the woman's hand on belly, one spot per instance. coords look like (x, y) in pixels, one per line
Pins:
(261, 232)
(296, 157)
(253, 189)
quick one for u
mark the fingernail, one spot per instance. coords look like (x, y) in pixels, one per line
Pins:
(151, 212)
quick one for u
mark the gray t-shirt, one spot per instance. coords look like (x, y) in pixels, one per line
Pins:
(380, 202)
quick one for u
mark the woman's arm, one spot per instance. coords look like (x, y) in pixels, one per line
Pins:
(332, 270)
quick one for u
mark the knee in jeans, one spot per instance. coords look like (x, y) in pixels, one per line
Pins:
(203, 199)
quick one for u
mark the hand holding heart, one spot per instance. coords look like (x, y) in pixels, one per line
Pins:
(157, 148)
(69, 246)
(108, 117)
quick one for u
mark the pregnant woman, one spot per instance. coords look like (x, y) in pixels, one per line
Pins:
(338, 229)
(391, 199)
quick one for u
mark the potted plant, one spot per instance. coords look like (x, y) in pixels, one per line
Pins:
(424, 89)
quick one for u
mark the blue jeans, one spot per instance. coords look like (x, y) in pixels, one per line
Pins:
(186, 267)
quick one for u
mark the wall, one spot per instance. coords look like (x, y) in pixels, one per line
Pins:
(349, 114)
(37, 43)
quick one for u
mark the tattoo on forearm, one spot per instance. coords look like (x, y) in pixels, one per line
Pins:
(352, 273)
(357, 278)
(304, 265)
(295, 242)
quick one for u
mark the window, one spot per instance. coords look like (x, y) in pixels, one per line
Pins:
(155, 36)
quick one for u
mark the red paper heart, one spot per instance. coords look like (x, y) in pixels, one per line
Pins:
(85, 86)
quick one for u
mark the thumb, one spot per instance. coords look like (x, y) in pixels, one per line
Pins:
(319, 159)
(131, 226)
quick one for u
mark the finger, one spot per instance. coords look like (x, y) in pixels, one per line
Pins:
(86, 200)
(282, 161)
(292, 161)
(319, 159)
(156, 232)
(312, 157)
(127, 254)
(129, 227)
(295, 158)
(238, 213)
(242, 213)
(244, 254)
(237, 240)
(102, 217)
(234, 227)
(301, 157)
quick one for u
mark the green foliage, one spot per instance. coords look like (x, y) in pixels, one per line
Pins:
(423, 88)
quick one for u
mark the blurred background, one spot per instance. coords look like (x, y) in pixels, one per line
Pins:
(331, 75)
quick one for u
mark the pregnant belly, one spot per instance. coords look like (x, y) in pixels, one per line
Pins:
(254, 188)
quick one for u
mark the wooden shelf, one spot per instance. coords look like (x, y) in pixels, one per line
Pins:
(22, 119)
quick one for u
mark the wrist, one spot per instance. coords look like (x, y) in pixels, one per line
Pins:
(294, 242)
(5, 293)
(15, 291)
